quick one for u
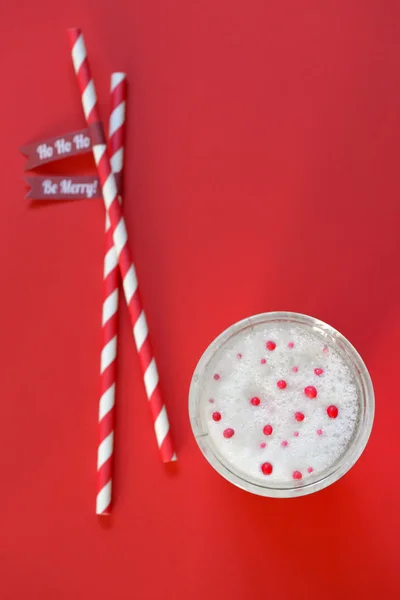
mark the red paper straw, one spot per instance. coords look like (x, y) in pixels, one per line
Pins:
(120, 239)
(108, 362)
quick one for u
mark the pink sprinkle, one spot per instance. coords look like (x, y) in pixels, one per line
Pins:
(319, 431)
(310, 392)
(296, 434)
(263, 445)
(216, 416)
(228, 433)
(281, 384)
(310, 470)
(270, 346)
(284, 444)
(325, 349)
(332, 411)
(297, 475)
(255, 401)
(216, 377)
(318, 371)
(267, 430)
(211, 400)
(299, 416)
(290, 345)
(239, 355)
(263, 361)
(267, 468)
(295, 369)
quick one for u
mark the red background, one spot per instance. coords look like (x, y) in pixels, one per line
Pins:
(261, 174)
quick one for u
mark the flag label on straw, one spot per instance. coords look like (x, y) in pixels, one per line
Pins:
(72, 187)
(63, 188)
(57, 148)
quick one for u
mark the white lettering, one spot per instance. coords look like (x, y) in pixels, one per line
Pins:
(44, 151)
(62, 146)
(65, 186)
(88, 190)
(49, 188)
(81, 141)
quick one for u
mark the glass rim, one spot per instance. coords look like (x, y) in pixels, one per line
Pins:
(356, 445)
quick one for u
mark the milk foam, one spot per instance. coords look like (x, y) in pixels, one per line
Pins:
(242, 376)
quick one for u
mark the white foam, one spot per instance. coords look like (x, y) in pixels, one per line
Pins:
(246, 377)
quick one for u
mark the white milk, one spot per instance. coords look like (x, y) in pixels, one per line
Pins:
(244, 369)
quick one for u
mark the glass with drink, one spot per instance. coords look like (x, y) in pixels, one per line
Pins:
(281, 404)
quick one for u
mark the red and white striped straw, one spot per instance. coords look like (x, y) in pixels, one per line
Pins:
(120, 238)
(108, 362)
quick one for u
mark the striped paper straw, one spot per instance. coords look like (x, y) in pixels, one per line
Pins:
(120, 239)
(108, 362)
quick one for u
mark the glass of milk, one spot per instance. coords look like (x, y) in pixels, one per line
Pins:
(281, 404)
